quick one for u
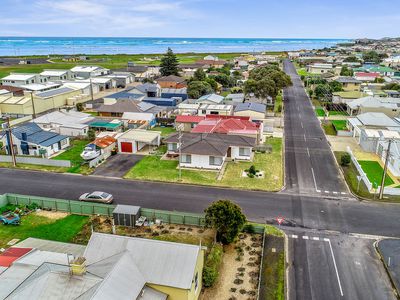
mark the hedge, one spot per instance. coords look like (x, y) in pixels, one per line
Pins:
(211, 266)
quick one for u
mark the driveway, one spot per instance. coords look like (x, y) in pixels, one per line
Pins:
(117, 165)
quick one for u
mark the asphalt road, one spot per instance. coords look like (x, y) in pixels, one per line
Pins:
(117, 165)
(309, 162)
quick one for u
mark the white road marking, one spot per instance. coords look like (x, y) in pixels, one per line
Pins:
(315, 238)
(335, 192)
(308, 152)
(326, 239)
(327, 192)
(313, 176)
(343, 193)
(318, 191)
(305, 237)
(337, 273)
(301, 123)
(294, 236)
(305, 138)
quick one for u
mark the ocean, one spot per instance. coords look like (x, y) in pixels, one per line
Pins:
(19, 46)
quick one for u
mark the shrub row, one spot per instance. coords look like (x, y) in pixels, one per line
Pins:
(211, 266)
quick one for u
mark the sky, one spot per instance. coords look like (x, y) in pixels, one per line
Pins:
(201, 18)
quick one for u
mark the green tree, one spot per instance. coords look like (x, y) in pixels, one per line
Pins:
(169, 64)
(212, 83)
(335, 86)
(322, 91)
(392, 86)
(345, 159)
(91, 134)
(224, 80)
(199, 75)
(79, 106)
(261, 88)
(373, 56)
(226, 218)
(351, 59)
(196, 89)
(346, 71)
(379, 80)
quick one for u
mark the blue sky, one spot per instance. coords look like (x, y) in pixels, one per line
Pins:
(201, 18)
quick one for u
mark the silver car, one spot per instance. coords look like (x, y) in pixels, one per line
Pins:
(97, 196)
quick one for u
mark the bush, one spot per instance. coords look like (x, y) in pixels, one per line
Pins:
(211, 266)
(345, 159)
(249, 228)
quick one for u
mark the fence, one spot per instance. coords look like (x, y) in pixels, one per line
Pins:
(360, 171)
(36, 161)
(173, 217)
(71, 206)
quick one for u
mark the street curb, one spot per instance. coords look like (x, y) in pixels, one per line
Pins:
(396, 289)
(286, 265)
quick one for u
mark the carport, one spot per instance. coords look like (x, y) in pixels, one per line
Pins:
(135, 140)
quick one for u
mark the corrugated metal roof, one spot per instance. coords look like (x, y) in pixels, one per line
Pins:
(126, 209)
(54, 92)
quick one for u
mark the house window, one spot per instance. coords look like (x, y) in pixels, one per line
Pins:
(215, 161)
(186, 159)
(64, 142)
(172, 146)
(204, 112)
(244, 151)
(196, 281)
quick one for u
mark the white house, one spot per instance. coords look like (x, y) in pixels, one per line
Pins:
(394, 155)
(89, 71)
(30, 139)
(215, 109)
(70, 123)
(209, 151)
(319, 68)
(18, 79)
(371, 120)
(56, 75)
(210, 99)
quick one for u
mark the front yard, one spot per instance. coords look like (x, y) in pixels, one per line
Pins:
(374, 172)
(73, 154)
(339, 124)
(154, 169)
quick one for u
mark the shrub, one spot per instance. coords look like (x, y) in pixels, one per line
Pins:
(252, 170)
(211, 266)
(249, 228)
(345, 159)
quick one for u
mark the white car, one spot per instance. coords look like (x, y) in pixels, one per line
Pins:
(97, 196)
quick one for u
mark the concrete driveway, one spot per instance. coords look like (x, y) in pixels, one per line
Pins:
(117, 165)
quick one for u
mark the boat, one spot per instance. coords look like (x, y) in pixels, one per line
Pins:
(90, 152)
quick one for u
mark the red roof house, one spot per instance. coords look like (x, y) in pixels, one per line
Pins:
(188, 119)
(11, 255)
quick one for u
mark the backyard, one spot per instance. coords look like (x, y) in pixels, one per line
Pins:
(57, 227)
(165, 131)
(153, 168)
(73, 154)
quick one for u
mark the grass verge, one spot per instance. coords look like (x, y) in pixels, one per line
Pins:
(319, 111)
(328, 128)
(34, 167)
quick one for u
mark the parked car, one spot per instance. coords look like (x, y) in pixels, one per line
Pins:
(97, 196)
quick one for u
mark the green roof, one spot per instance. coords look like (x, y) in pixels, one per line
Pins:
(109, 125)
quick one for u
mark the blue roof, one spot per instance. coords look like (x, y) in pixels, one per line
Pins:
(36, 135)
(160, 101)
(258, 107)
(126, 94)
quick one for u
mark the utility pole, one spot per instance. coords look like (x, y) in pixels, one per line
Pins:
(180, 152)
(33, 106)
(385, 170)
(91, 88)
(10, 142)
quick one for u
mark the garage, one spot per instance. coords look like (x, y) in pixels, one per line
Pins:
(126, 147)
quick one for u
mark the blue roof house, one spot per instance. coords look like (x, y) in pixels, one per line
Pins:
(30, 139)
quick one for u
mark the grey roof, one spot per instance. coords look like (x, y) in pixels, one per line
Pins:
(151, 294)
(159, 262)
(347, 79)
(126, 209)
(377, 119)
(126, 94)
(148, 87)
(54, 92)
(257, 107)
(215, 144)
(36, 135)
(171, 78)
(53, 246)
(126, 105)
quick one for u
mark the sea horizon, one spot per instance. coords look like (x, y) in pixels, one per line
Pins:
(20, 46)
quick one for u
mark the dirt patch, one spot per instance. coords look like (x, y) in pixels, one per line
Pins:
(53, 215)
(239, 272)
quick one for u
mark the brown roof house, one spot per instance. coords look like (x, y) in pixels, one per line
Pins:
(210, 151)
(172, 81)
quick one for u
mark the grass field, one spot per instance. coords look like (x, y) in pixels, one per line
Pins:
(32, 225)
(328, 128)
(165, 131)
(374, 172)
(153, 168)
(34, 167)
(339, 124)
(319, 111)
(337, 113)
(73, 155)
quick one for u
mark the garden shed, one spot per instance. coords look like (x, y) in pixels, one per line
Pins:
(126, 215)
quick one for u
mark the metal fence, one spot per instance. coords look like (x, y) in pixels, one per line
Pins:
(360, 171)
(37, 161)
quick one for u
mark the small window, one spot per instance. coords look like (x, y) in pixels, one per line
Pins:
(172, 146)
(186, 159)
(244, 151)
(215, 161)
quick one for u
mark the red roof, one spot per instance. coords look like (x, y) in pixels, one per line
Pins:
(227, 117)
(227, 126)
(105, 141)
(11, 255)
(366, 74)
(189, 119)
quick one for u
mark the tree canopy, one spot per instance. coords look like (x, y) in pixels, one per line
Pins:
(199, 75)
(169, 64)
(226, 218)
(346, 71)
(373, 56)
(196, 89)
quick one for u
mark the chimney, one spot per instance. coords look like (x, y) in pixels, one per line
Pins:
(78, 266)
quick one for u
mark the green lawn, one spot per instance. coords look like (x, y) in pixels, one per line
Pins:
(35, 167)
(328, 128)
(165, 131)
(278, 106)
(153, 168)
(319, 111)
(337, 113)
(339, 124)
(32, 225)
(374, 172)
(73, 155)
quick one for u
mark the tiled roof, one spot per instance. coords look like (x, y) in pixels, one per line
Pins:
(188, 119)
(226, 126)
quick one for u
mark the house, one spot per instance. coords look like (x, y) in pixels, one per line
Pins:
(117, 109)
(256, 111)
(18, 79)
(180, 94)
(210, 99)
(188, 108)
(392, 62)
(40, 87)
(187, 122)
(107, 144)
(349, 83)
(103, 82)
(86, 71)
(70, 123)
(165, 102)
(365, 76)
(122, 79)
(131, 94)
(139, 120)
(319, 68)
(172, 81)
(389, 106)
(16, 91)
(135, 140)
(111, 267)
(371, 120)
(30, 139)
(209, 151)
(394, 155)
(215, 109)
(346, 97)
(211, 63)
(57, 75)
(149, 89)
(87, 88)
(369, 138)
(234, 98)
(211, 57)
(103, 125)
(230, 125)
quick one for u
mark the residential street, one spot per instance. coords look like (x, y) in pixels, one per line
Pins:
(340, 264)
